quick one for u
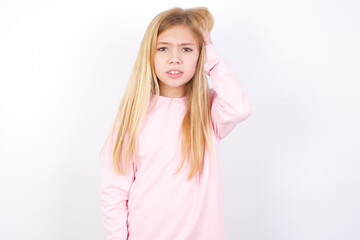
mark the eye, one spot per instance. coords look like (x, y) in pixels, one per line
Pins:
(187, 49)
(161, 49)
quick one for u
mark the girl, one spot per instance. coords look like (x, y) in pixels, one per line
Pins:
(161, 177)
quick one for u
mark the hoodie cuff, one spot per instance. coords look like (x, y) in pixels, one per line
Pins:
(211, 58)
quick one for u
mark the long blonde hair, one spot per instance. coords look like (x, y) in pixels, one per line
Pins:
(196, 125)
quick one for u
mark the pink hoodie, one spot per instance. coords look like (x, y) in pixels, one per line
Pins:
(151, 203)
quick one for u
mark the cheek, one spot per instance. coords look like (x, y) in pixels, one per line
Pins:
(193, 62)
(157, 63)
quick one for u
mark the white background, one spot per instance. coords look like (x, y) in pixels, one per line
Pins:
(290, 171)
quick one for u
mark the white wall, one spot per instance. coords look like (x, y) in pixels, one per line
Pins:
(291, 171)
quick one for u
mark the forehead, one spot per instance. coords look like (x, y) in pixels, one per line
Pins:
(178, 34)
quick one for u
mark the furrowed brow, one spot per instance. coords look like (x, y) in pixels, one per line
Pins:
(182, 44)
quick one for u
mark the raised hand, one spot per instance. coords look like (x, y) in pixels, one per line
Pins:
(206, 36)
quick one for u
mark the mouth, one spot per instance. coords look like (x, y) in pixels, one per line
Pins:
(174, 73)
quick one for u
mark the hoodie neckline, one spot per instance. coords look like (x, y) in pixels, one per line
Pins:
(170, 99)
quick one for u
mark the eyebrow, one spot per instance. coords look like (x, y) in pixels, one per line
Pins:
(166, 43)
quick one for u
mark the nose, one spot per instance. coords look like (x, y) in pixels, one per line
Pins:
(174, 57)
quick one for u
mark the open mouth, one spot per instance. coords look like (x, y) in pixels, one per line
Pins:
(174, 73)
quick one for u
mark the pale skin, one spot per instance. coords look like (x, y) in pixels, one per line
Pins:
(171, 54)
(206, 36)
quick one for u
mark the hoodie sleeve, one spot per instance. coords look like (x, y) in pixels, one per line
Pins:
(230, 104)
(114, 194)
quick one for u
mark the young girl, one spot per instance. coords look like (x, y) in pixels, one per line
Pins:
(161, 177)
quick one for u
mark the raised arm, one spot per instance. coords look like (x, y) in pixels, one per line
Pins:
(230, 104)
(114, 196)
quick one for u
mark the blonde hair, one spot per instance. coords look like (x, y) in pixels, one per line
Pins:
(196, 125)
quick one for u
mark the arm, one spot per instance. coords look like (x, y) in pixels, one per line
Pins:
(230, 105)
(114, 195)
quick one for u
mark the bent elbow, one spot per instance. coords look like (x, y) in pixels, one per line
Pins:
(244, 112)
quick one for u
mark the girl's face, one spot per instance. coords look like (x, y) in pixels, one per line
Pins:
(175, 60)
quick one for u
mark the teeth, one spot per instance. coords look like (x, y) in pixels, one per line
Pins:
(174, 72)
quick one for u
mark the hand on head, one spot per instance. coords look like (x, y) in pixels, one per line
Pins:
(206, 36)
